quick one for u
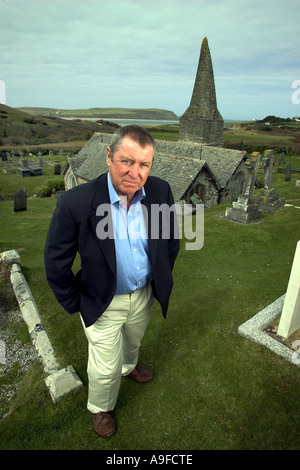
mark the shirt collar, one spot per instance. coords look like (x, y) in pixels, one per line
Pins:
(114, 197)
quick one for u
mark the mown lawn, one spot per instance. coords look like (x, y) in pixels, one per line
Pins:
(10, 183)
(213, 389)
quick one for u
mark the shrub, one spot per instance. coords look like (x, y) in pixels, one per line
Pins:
(56, 185)
(43, 191)
(50, 187)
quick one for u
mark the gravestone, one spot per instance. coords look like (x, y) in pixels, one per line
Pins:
(41, 162)
(288, 172)
(57, 169)
(20, 200)
(290, 316)
(35, 170)
(24, 172)
(245, 210)
(8, 170)
(281, 159)
(268, 202)
(235, 190)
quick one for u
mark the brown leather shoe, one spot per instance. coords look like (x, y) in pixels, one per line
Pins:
(141, 375)
(104, 424)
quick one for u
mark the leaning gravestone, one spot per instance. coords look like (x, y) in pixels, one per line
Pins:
(20, 200)
(290, 316)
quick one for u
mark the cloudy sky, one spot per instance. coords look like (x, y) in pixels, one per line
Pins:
(76, 54)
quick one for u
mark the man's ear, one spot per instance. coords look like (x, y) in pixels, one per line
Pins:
(108, 158)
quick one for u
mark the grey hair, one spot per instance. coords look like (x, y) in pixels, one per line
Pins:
(136, 133)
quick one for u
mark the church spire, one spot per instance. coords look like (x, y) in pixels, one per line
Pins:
(202, 121)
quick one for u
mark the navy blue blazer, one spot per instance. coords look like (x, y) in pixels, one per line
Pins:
(73, 229)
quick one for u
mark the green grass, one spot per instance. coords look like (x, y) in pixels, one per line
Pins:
(255, 135)
(213, 389)
(10, 183)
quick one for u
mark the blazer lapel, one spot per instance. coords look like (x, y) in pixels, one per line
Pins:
(101, 198)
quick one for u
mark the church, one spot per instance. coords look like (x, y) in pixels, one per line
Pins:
(196, 164)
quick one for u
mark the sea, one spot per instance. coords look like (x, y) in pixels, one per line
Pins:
(140, 122)
(147, 122)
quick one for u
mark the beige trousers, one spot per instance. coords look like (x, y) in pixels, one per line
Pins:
(114, 341)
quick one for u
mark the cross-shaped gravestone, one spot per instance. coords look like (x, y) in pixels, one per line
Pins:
(267, 163)
(252, 165)
(268, 202)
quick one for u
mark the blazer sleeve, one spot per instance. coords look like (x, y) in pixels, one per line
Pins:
(59, 255)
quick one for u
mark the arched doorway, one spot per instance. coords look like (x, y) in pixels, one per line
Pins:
(198, 189)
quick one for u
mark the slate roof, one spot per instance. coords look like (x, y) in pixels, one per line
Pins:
(221, 162)
(180, 172)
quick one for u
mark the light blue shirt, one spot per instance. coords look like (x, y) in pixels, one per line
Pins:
(131, 243)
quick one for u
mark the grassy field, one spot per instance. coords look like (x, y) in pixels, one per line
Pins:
(213, 389)
(10, 183)
(254, 135)
(117, 113)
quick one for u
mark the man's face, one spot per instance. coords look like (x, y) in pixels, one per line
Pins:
(129, 167)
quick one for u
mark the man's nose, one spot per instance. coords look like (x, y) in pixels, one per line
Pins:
(133, 171)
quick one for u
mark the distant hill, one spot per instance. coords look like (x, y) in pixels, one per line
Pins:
(18, 127)
(104, 113)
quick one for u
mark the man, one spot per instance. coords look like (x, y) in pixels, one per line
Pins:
(109, 222)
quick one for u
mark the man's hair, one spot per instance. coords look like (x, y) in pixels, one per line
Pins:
(136, 133)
